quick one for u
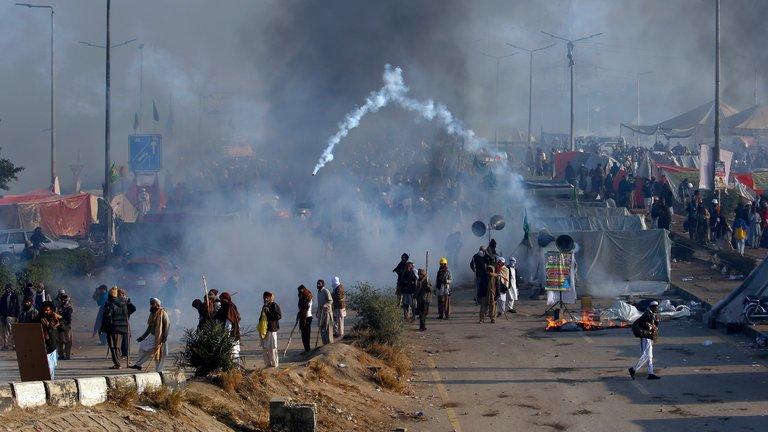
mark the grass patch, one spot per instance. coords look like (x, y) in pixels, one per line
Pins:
(164, 398)
(124, 396)
(387, 379)
(319, 369)
(230, 380)
(378, 312)
(393, 356)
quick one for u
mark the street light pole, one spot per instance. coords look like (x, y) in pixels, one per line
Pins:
(107, 155)
(716, 156)
(53, 94)
(141, 85)
(570, 44)
(530, 83)
(496, 119)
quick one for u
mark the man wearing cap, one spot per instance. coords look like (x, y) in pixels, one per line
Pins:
(502, 286)
(646, 328)
(339, 307)
(512, 292)
(443, 289)
(152, 344)
(63, 306)
(423, 297)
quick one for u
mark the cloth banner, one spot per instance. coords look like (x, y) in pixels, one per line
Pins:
(557, 268)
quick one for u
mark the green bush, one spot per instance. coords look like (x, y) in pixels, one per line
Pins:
(378, 314)
(66, 262)
(35, 273)
(7, 276)
(208, 349)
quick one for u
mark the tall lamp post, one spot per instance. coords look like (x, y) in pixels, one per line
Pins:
(53, 99)
(637, 86)
(716, 155)
(530, 82)
(498, 65)
(570, 44)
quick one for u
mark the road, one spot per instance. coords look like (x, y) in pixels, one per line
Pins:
(515, 376)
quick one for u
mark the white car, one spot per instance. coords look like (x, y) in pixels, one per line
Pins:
(12, 243)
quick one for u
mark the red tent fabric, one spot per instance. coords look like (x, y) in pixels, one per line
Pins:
(60, 216)
(27, 197)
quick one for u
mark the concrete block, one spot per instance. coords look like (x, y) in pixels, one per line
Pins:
(92, 391)
(114, 381)
(173, 379)
(61, 393)
(285, 415)
(147, 380)
(6, 398)
(29, 394)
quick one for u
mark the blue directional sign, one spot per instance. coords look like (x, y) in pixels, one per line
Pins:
(146, 152)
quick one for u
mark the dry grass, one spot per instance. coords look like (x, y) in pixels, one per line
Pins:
(165, 399)
(319, 369)
(230, 380)
(387, 379)
(252, 383)
(123, 396)
(394, 357)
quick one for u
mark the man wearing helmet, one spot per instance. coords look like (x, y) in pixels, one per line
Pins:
(443, 290)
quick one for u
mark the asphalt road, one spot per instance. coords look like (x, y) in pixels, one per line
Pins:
(513, 375)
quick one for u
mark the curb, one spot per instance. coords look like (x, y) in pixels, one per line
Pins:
(88, 391)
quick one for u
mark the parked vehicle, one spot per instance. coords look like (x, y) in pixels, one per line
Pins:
(756, 309)
(14, 241)
(151, 275)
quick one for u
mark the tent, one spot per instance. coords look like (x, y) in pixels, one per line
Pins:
(752, 120)
(756, 180)
(577, 211)
(687, 124)
(729, 309)
(69, 215)
(590, 160)
(610, 223)
(610, 263)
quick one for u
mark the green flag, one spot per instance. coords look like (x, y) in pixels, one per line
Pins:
(526, 227)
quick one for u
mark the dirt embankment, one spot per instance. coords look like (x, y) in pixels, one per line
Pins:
(353, 390)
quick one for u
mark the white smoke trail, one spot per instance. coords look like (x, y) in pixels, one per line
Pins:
(395, 90)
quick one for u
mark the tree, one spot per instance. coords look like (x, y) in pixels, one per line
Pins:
(8, 172)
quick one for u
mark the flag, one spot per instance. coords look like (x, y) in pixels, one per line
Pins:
(526, 227)
(169, 120)
(113, 174)
(575, 197)
(135, 122)
(155, 114)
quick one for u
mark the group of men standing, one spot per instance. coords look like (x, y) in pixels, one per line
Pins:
(495, 283)
(414, 291)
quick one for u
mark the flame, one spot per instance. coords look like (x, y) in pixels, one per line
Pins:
(587, 321)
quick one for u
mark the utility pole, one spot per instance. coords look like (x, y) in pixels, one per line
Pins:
(107, 150)
(496, 119)
(141, 86)
(530, 83)
(637, 83)
(570, 45)
(54, 182)
(716, 156)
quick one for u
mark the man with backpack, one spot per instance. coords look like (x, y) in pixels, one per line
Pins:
(646, 328)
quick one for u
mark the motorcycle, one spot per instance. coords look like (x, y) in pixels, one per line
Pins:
(755, 309)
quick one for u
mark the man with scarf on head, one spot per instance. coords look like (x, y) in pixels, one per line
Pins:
(399, 270)
(229, 317)
(28, 313)
(339, 307)
(64, 309)
(488, 296)
(304, 316)
(443, 289)
(51, 323)
(153, 342)
(408, 291)
(646, 328)
(41, 296)
(324, 312)
(207, 307)
(115, 324)
(502, 286)
(271, 314)
(9, 315)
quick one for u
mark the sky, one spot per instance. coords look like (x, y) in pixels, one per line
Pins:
(279, 75)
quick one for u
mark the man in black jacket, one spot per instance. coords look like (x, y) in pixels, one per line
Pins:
(399, 270)
(115, 324)
(646, 328)
(478, 263)
(270, 311)
(9, 315)
(408, 279)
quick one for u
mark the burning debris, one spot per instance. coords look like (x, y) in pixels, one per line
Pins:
(589, 320)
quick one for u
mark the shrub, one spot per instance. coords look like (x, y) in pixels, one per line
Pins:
(378, 311)
(35, 272)
(164, 398)
(230, 380)
(387, 379)
(207, 349)
(7, 277)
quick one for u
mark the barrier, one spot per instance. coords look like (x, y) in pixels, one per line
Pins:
(91, 391)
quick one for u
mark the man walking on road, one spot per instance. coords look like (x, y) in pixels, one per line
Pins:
(423, 297)
(647, 329)
(408, 280)
(152, 343)
(443, 290)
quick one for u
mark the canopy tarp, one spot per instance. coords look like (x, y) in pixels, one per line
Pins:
(676, 175)
(613, 263)
(685, 124)
(730, 309)
(757, 180)
(752, 119)
(578, 211)
(69, 216)
(610, 223)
